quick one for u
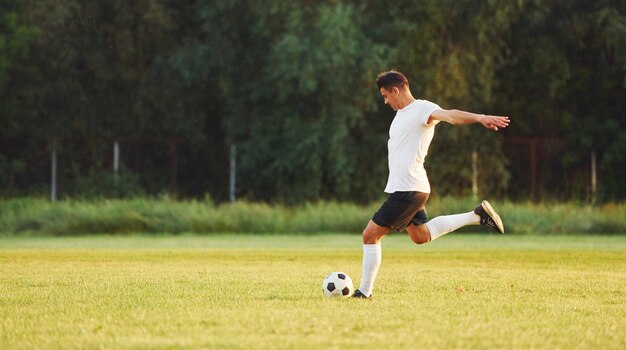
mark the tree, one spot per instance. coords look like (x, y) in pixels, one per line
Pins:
(313, 96)
(451, 51)
(292, 85)
(16, 39)
(565, 79)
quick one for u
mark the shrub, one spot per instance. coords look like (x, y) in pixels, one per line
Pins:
(165, 215)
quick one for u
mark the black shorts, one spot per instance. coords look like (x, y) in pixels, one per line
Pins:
(401, 209)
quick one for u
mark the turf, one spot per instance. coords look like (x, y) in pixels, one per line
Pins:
(264, 292)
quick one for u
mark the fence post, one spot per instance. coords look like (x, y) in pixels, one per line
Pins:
(174, 163)
(53, 173)
(116, 157)
(233, 172)
(533, 170)
(593, 176)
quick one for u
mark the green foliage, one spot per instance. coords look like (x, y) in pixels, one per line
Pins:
(15, 39)
(614, 162)
(165, 215)
(9, 170)
(291, 84)
(106, 184)
(564, 79)
(300, 121)
(17, 36)
(451, 57)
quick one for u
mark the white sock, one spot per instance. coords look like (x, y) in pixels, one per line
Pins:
(372, 256)
(441, 225)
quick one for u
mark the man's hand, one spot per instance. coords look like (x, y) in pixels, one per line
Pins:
(494, 122)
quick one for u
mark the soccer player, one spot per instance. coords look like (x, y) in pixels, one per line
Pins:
(410, 134)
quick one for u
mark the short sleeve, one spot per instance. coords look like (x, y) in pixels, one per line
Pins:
(427, 108)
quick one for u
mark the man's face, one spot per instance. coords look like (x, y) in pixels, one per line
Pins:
(391, 97)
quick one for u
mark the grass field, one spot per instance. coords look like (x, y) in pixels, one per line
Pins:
(264, 292)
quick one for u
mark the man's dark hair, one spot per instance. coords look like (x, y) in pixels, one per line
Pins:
(391, 79)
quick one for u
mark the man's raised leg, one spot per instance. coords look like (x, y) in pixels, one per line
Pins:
(484, 214)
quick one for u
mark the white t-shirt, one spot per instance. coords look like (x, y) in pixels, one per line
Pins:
(409, 138)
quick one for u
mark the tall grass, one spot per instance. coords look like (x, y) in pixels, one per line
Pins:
(163, 215)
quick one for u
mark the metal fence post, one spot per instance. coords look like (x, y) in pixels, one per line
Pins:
(233, 172)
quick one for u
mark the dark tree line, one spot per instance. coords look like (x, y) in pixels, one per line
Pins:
(290, 83)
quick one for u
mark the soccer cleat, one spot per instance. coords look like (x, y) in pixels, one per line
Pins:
(357, 294)
(489, 217)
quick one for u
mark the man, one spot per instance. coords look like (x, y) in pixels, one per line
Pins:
(410, 134)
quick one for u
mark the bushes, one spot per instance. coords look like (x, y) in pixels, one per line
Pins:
(164, 215)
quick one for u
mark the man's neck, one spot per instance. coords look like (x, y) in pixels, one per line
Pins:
(407, 99)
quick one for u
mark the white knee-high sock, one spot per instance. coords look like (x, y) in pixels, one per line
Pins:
(372, 256)
(441, 225)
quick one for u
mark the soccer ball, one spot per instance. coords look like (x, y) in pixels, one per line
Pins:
(337, 284)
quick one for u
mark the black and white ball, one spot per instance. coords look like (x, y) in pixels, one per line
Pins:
(337, 284)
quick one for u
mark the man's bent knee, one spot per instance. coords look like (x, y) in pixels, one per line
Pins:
(419, 234)
(373, 233)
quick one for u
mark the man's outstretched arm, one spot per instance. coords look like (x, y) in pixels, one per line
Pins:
(457, 117)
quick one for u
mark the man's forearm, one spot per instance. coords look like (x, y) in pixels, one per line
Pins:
(463, 117)
(457, 117)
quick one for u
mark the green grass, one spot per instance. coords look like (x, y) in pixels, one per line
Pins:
(28, 216)
(264, 292)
